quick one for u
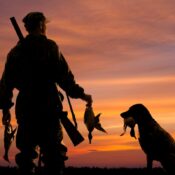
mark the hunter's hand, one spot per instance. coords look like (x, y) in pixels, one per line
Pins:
(88, 99)
(6, 118)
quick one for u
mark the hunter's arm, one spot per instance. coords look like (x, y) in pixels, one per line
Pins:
(6, 86)
(62, 73)
(67, 81)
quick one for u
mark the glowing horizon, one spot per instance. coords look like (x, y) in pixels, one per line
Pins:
(122, 53)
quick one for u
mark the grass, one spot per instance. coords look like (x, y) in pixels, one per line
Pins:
(94, 171)
(111, 171)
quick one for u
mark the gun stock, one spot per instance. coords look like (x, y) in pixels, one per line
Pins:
(71, 130)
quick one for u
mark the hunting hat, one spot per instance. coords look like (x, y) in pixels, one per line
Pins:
(33, 19)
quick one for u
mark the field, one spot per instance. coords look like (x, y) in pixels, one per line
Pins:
(94, 171)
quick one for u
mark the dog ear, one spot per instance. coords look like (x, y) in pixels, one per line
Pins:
(124, 128)
(132, 133)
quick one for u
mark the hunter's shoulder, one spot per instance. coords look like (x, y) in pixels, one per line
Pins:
(52, 43)
(16, 49)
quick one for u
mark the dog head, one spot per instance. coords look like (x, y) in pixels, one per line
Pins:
(136, 114)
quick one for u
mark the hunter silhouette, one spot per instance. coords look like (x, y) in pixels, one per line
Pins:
(35, 67)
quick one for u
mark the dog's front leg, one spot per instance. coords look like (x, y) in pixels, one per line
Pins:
(149, 164)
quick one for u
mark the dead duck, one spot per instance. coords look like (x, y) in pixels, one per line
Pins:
(9, 134)
(91, 121)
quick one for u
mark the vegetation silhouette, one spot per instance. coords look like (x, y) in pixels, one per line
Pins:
(155, 141)
(93, 171)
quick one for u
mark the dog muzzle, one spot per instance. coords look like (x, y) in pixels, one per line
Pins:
(129, 122)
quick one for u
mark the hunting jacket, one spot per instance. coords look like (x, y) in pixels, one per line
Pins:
(35, 67)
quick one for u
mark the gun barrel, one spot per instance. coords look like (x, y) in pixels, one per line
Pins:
(17, 29)
(72, 112)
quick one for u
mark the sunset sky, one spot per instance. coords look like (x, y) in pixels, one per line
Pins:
(121, 52)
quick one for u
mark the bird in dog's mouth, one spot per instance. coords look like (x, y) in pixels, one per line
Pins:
(128, 122)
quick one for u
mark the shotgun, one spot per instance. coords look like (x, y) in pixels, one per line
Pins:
(71, 130)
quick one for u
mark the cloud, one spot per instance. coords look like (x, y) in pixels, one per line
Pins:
(121, 52)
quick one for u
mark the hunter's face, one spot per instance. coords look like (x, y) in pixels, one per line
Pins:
(43, 27)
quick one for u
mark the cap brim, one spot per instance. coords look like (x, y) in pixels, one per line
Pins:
(47, 20)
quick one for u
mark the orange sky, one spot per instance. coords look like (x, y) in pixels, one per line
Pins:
(121, 52)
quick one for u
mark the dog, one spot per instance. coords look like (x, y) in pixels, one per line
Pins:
(155, 141)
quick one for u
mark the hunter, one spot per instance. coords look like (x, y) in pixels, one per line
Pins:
(35, 67)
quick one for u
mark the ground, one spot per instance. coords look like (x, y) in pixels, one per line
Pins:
(94, 171)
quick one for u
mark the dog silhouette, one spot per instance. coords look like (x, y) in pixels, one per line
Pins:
(155, 141)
